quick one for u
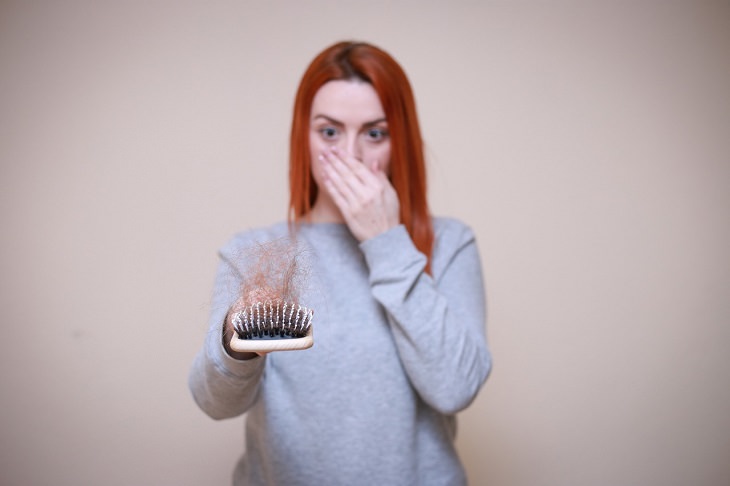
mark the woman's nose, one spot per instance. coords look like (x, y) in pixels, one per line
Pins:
(352, 146)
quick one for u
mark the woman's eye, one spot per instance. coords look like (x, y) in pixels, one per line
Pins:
(328, 132)
(376, 134)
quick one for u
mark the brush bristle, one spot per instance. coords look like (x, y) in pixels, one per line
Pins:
(272, 320)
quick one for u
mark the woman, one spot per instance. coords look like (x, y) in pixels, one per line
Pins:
(399, 326)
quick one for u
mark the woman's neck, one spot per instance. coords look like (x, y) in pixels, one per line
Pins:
(324, 210)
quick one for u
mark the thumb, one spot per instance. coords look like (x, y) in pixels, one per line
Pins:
(377, 169)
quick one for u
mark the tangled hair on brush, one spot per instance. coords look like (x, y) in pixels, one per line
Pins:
(275, 271)
(268, 315)
(368, 63)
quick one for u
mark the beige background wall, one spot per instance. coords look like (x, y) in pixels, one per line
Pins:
(588, 144)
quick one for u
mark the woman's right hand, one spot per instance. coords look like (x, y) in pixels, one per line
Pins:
(229, 332)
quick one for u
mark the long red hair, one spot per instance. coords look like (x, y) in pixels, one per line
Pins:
(365, 62)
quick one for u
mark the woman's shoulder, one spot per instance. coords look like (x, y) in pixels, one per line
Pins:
(451, 237)
(451, 230)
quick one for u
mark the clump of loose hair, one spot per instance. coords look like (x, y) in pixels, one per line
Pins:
(275, 271)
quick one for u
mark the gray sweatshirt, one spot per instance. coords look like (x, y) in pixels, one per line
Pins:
(397, 353)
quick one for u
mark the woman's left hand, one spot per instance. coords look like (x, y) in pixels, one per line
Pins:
(362, 192)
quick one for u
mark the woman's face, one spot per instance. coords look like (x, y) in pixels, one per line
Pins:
(348, 114)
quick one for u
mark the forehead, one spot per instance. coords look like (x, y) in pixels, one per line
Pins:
(347, 101)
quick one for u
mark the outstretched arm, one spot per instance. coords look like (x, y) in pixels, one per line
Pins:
(222, 385)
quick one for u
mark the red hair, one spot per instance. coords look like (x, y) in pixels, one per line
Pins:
(365, 62)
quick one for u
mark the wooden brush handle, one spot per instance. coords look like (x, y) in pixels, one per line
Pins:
(272, 344)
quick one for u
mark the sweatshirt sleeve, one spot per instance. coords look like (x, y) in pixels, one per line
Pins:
(438, 323)
(223, 387)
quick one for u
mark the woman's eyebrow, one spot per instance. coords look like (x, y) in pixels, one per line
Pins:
(330, 120)
(337, 122)
(375, 122)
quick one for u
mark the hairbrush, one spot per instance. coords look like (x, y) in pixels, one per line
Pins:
(275, 325)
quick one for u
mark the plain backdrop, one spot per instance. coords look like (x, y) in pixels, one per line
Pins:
(586, 143)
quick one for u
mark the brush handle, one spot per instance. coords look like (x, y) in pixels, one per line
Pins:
(273, 344)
